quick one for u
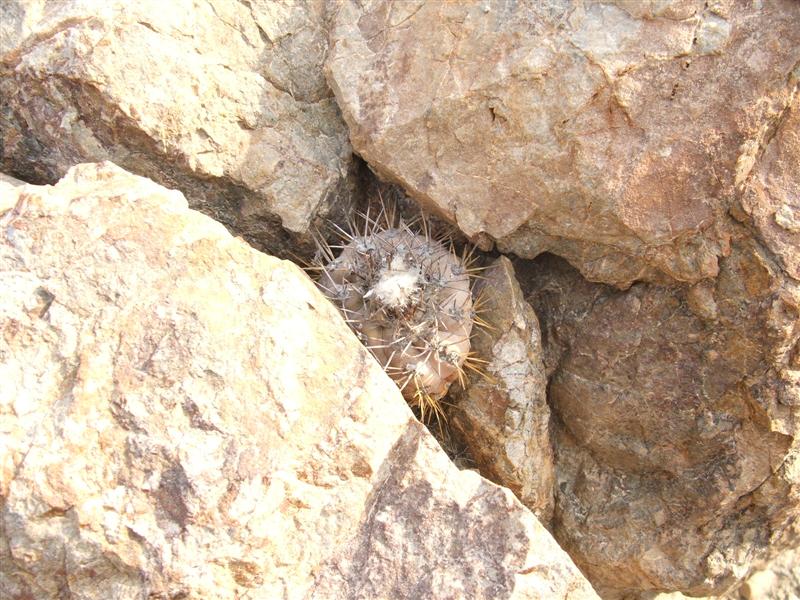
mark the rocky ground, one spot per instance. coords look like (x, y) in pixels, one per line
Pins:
(183, 414)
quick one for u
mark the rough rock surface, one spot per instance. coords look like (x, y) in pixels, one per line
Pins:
(225, 101)
(504, 419)
(652, 145)
(677, 413)
(7, 182)
(770, 202)
(182, 416)
(779, 581)
(614, 134)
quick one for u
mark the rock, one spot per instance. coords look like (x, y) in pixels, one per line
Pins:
(7, 182)
(504, 419)
(771, 198)
(225, 101)
(183, 416)
(676, 437)
(614, 134)
(780, 580)
(654, 146)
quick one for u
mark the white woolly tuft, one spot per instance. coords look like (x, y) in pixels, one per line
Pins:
(397, 285)
(408, 298)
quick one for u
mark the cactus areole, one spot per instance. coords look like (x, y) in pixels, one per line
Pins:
(408, 298)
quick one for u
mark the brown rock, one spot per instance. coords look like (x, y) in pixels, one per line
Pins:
(676, 423)
(643, 141)
(614, 134)
(504, 418)
(183, 416)
(225, 101)
(771, 198)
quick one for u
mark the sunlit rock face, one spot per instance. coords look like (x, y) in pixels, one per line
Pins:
(225, 101)
(183, 416)
(615, 134)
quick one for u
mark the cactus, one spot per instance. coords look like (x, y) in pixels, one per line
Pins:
(408, 298)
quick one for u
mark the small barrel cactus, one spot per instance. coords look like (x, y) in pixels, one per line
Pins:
(408, 298)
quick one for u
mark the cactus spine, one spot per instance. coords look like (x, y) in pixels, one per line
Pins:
(407, 296)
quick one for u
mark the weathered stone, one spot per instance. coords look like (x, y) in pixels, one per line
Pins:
(504, 418)
(614, 134)
(771, 198)
(780, 580)
(182, 416)
(645, 141)
(225, 101)
(676, 437)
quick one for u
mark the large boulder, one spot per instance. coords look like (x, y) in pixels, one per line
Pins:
(224, 100)
(677, 423)
(613, 133)
(182, 416)
(654, 145)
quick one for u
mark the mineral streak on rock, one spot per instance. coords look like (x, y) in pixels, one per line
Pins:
(408, 297)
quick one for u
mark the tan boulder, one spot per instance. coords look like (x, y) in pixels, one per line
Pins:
(183, 416)
(223, 100)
